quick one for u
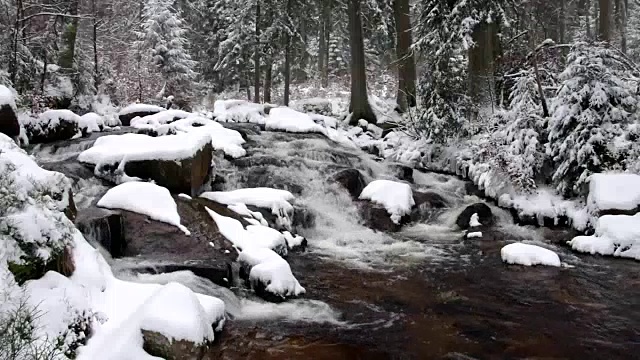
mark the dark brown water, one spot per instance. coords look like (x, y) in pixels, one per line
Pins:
(477, 308)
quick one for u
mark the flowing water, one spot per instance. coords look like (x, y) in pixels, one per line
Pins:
(422, 293)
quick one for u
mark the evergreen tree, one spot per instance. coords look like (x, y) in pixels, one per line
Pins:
(162, 41)
(597, 99)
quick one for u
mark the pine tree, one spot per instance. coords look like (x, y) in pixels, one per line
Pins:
(597, 99)
(162, 41)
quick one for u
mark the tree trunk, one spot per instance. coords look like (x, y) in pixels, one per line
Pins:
(406, 62)
(359, 106)
(482, 63)
(287, 61)
(96, 67)
(267, 82)
(69, 35)
(562, 23)
(256, 59)
(326, 4)
(323, 52)
(604, 30)
(588, 19)
(621, 23)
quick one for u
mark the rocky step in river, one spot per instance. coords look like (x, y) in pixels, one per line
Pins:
(417, 291)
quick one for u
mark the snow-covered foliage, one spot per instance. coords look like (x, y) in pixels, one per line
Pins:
(595, 104)
(163, 41)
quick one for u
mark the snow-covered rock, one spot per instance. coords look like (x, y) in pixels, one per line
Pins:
(253, 236)
(227, 140)
(181, 162)
(91, 122)
(617, 235)
(289, 120)
(529, 255)
(9, 124)
(144, 198)
(52, 125)
(137, 110)
(240, 111)
(276, 200)
(270, 275)
(161, 118)
(614, 193)
(396, 197)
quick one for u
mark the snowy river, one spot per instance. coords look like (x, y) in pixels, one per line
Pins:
(424, 292)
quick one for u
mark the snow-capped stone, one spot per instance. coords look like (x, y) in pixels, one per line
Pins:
(396, 197)
(144, 198)
(52, 125)
(181, 162)
(137, 110)
(475, 221)
(529, 255)
(9, 124)
(617, 235)
(614, 192)
(289, 120)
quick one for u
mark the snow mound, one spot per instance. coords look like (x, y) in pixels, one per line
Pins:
(286, 119)
(189, 321)
(119, 149)
(614, 192)
(7, 97)
(396, 197)
(529, 255)
(91, 122)
(146, 199)
(137, 108)
(126, 308)
(254, 236)
(617, 235)
(272, 271)
(240, 111)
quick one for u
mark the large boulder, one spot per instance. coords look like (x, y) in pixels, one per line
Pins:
(180, 163)
(9, 124)
(51, 126)
(350, 179)
(183, 176)
(206, 252)
(485, 215)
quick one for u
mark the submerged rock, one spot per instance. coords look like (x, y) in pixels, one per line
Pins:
(485, 215)
(427, 204)
(350, 179)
